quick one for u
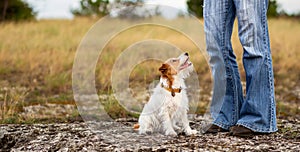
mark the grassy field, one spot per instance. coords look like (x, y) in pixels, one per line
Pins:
(36, 61)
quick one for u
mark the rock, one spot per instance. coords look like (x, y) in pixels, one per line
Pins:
(119, 136)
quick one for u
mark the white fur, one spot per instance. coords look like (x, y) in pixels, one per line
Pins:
(165, 113)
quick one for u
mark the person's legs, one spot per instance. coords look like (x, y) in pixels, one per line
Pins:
(258, 111)
(219, 17)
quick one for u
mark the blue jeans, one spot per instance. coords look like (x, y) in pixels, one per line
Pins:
(256, 110)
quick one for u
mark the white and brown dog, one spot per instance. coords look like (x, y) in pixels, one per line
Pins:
(167, 108)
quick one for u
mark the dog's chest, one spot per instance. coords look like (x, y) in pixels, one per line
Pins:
(173, 104)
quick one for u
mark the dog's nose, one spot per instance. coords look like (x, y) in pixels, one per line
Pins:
(186, 54)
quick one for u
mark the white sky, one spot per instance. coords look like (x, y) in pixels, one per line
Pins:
(290, 6)
(61, 8)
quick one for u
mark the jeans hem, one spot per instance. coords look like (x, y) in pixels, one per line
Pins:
(256, 129)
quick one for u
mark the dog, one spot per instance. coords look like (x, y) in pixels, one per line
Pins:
(167, 108)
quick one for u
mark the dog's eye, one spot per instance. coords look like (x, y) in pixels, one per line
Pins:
(174, 60)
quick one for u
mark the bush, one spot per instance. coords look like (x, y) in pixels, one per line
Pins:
(15, 10)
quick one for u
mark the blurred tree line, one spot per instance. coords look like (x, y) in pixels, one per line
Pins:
(16, 10)
(102, 7)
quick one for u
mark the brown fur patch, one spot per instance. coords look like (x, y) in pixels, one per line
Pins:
(167, 72)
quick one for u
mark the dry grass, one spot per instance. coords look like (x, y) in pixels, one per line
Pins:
(10, 101)
(39, 55)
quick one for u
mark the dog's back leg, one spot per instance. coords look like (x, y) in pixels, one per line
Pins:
(145, 125)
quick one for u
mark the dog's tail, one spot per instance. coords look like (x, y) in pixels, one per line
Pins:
(136, 126)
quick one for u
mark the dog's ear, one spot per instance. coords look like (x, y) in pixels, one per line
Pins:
(164, 69)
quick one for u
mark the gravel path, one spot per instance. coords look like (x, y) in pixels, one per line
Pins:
(119, 136)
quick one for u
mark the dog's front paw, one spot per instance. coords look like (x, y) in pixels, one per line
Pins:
(176, 127)
(171, 133)
(191, 132)
(145, 131)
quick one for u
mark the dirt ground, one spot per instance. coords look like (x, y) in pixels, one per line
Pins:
(119, 136)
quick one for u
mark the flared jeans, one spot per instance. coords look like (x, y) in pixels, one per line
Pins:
(256, 108)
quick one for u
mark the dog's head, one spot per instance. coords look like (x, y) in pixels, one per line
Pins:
(180, 66)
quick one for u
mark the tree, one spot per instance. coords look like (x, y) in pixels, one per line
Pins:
(196, 8)
(103, 7)
(4, 9)
(272, 9)
(130, 9)
(92, 7)
(15, 10)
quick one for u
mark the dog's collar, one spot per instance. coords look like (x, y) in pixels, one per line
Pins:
(172, 90)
